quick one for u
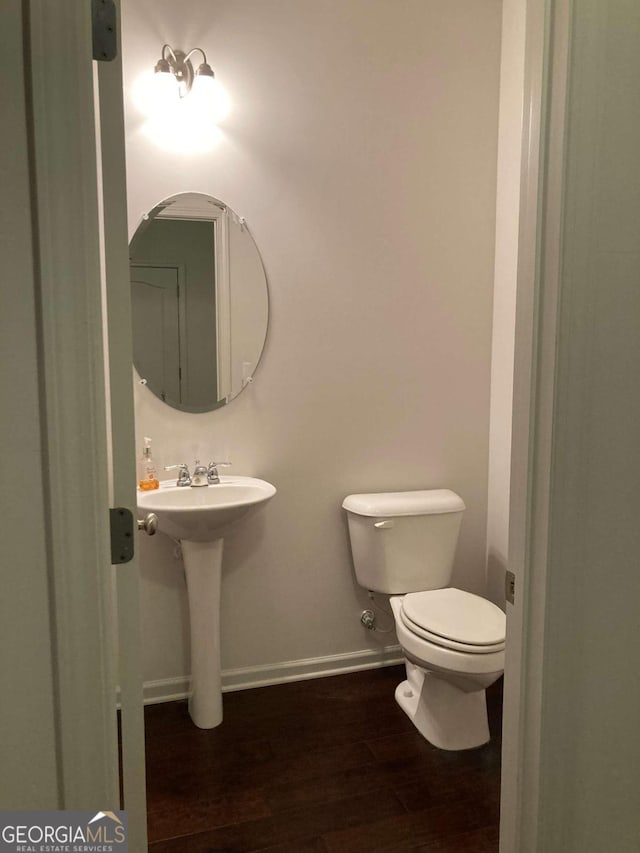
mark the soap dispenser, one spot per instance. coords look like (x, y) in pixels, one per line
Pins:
(147, 479)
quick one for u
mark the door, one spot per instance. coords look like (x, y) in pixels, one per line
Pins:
(77, 440)
(155, 305)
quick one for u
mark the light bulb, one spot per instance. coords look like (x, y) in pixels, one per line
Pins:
(156, 92)
(210, 97)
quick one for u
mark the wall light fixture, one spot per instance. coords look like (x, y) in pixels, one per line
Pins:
(183, 106)
(175, 77)
(176, 63)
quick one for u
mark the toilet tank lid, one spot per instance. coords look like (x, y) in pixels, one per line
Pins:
(389, 504)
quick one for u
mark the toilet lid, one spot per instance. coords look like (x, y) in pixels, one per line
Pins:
(456, 619)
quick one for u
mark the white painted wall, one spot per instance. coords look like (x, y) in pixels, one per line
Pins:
(362, 151)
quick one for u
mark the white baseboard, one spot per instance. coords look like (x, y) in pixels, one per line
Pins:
(170, 689)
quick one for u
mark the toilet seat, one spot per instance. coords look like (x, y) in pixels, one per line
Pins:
(454, 619)
(433, 656)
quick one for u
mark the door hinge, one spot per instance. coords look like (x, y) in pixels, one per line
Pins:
(104, 30)
(121, 524)
(510, 587)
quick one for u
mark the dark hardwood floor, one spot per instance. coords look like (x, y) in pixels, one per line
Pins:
(330, 765)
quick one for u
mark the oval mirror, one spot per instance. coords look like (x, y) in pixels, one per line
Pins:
(199, 302)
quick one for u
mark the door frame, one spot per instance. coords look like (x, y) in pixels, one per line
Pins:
(116, 295)
(547, 46)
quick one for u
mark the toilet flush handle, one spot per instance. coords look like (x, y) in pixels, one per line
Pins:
(383, 525)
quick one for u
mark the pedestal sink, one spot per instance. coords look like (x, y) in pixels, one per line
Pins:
(200, 517)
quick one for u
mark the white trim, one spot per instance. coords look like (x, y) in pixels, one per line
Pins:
(174, 207)
(166, 690)
(547, 46)
(184, 214)
(223, 305)
(120, 358)
(515, 696)
(246, 678)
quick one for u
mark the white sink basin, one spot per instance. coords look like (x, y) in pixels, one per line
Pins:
(204, 513)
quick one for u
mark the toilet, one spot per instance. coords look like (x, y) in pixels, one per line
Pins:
(403, 545)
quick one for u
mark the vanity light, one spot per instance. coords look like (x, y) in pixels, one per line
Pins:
(183, 106)
(175, 80)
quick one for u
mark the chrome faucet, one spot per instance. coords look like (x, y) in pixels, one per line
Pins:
(184, 477)
(199, 476)
(203, 475)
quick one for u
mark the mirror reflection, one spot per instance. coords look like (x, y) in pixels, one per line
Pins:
(199, 302)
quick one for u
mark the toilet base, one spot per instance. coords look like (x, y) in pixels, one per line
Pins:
(446, 716)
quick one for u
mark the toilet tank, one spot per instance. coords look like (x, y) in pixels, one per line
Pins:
(404, 541)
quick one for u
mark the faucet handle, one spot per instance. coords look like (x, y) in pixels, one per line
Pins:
(184, 477)
(212, 472)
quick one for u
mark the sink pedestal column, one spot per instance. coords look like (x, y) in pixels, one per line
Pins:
(202, 563)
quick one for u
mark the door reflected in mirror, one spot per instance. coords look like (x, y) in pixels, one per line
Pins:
(199, 302)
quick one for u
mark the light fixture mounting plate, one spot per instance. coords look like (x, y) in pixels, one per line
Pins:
(183, 70)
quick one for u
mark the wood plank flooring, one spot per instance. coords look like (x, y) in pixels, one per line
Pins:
(330, 765)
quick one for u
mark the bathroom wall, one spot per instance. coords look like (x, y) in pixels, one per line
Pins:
(362, 151)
